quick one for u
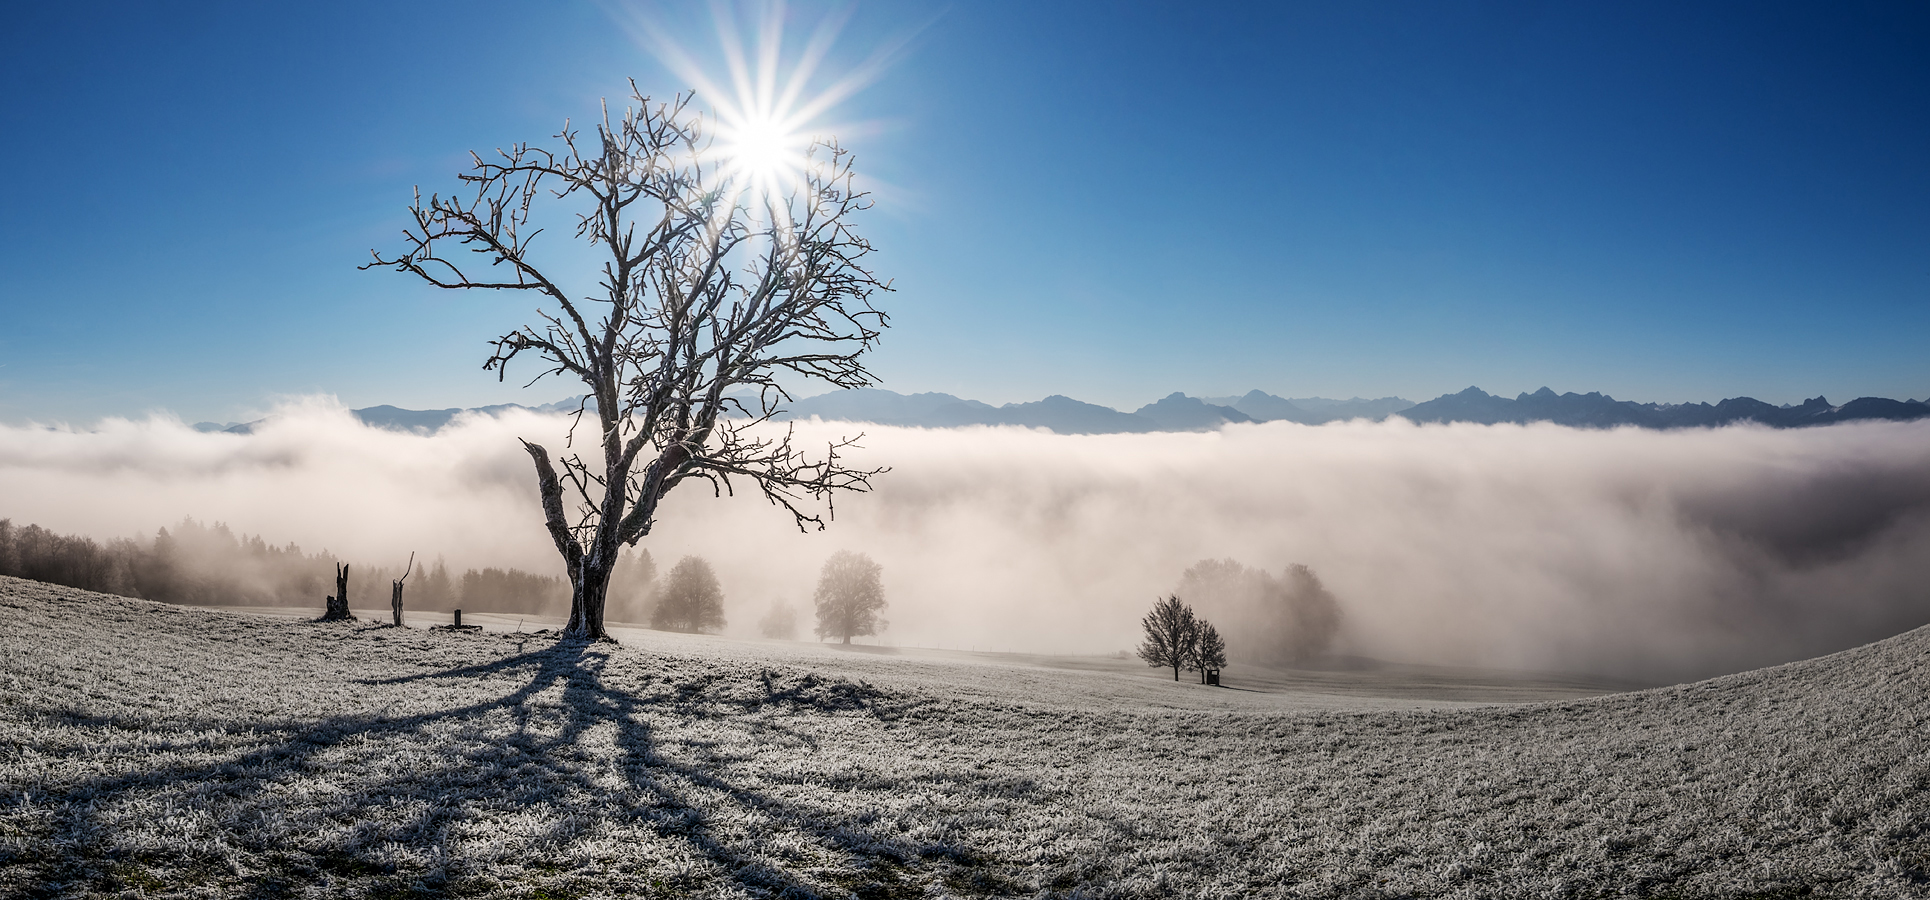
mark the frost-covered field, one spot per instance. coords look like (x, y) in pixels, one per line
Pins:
(149, 750)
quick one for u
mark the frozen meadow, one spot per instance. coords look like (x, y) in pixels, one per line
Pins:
(158, 751)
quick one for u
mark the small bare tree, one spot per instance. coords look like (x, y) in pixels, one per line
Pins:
(849, 597)
(1209, 650)
(712, 291)
(1171, 631)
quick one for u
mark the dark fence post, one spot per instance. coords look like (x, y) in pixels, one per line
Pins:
(459, 618)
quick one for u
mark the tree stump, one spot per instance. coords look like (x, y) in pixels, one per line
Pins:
(337, 608)
(395, 596)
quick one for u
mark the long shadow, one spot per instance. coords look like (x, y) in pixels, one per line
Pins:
(539, 754)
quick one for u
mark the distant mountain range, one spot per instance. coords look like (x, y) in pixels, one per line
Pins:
(1175, 412)
(394, 418)
(1597, 410)
(1179, 412)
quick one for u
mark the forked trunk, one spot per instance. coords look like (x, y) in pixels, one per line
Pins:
(589, 589)
(589, 568)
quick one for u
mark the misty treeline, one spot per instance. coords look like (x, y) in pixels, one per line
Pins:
(1284, 620)
(205, 564)
(1287, 620)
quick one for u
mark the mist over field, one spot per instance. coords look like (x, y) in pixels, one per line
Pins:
(1651, 555)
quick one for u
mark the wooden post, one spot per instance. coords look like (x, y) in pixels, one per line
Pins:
(395, 596)
(459, 618)
(338, 604)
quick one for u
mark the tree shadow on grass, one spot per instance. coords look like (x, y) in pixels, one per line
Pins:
(565, 756)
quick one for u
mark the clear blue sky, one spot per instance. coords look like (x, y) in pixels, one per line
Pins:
(1112, 201)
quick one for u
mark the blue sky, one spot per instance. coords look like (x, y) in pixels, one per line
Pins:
(1112, 201)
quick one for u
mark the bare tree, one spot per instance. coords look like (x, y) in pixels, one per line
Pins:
(849, 596)
(691, 599)
(712, 293)
(1208, 650)
(1170, 631)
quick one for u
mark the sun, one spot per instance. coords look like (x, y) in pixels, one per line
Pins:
(761, 153)
(769, 104)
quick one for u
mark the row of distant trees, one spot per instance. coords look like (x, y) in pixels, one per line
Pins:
(210, 565)
(1279, 620)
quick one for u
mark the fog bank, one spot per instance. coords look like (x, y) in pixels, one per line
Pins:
(1653, 555)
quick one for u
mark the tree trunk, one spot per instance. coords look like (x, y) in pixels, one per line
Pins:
(847, 640)
(589, 592)
(1175, 671)
(338, 605)
(589, 567)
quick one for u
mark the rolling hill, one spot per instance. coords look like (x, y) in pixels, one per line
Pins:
(164, 751)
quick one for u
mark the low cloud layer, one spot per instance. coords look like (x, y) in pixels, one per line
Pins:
(1649, 555)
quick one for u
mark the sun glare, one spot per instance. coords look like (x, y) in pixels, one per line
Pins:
(768, 107)
(761, 153)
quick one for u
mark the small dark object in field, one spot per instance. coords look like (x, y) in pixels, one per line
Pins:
(458, 626)
(1212, 676)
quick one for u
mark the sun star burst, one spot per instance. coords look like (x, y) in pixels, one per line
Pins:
(767, 109)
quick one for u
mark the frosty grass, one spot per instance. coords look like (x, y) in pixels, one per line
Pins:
(157, 751)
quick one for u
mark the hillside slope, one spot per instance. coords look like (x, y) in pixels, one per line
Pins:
(179, 752)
